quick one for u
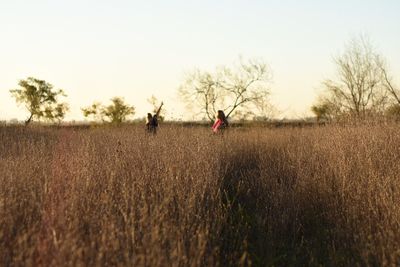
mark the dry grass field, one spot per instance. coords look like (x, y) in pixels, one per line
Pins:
(108, 196)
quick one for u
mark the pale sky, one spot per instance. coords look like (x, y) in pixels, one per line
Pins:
(97, 49)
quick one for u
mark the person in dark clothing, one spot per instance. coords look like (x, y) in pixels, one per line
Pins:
(152, 121)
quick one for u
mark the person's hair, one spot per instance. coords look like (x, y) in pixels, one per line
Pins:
(149, 118)
(221, 115)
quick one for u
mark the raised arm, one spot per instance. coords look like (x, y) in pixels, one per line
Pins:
(159, 109)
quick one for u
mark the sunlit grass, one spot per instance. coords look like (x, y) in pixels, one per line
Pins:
(115, 196)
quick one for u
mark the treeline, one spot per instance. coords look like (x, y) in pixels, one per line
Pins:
(363, 88)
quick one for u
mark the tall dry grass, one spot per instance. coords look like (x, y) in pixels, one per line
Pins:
(262, 197)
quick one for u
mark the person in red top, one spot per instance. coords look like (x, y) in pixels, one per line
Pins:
(220, 123)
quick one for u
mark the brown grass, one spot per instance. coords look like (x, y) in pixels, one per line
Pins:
(262, 197)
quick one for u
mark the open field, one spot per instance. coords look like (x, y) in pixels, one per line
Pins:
(263, 197)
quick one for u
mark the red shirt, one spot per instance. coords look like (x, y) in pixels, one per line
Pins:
(216, 125)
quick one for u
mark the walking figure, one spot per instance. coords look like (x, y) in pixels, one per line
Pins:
(220, 123)
(152, 121)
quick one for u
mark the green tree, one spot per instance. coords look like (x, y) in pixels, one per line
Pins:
(323, 111)
(117, 112)
(40, 99)
(93, 111)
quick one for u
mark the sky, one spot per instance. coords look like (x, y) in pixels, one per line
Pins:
(98, 49)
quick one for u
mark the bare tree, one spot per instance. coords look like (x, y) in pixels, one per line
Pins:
(241, 88)
(358, 89)
(390, 86)
(394, 109)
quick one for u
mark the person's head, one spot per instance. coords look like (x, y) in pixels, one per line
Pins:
(221, 115)
(149, 117)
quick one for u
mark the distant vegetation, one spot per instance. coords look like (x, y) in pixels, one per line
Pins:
(40, 99)
(240, 90)
(117, 112)
(363, 88)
